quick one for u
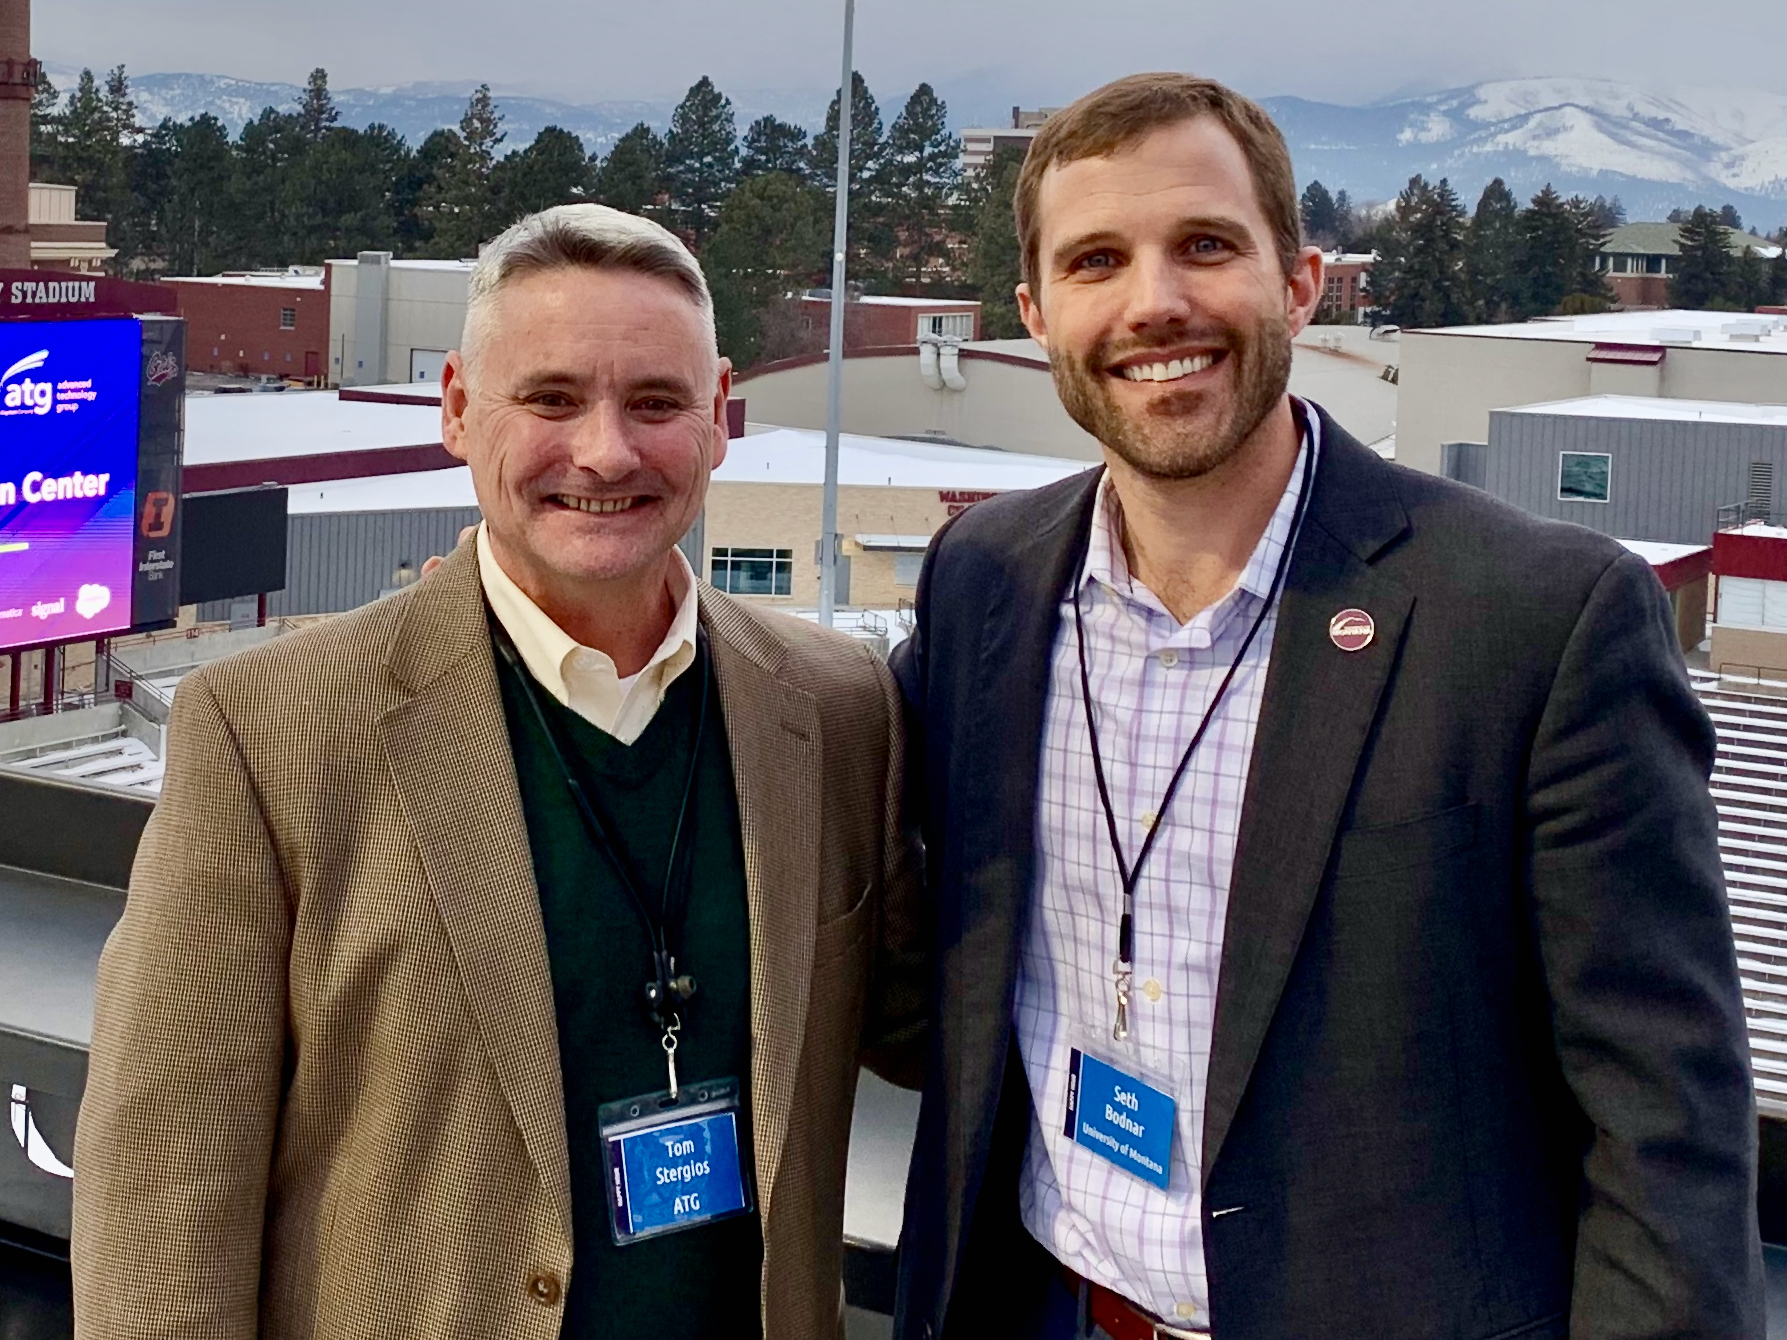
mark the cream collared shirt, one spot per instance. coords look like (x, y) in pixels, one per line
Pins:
(582, 678)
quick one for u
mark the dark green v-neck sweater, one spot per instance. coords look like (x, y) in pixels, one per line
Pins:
(702, 1281)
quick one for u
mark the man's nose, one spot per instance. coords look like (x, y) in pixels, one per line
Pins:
(1158, 292)
(602, 441)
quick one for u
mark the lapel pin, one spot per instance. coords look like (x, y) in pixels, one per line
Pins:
(1351, 630)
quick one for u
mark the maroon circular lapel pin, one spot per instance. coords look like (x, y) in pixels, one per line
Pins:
(1351, 630)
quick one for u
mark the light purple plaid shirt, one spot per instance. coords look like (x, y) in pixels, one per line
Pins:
(1152, 680)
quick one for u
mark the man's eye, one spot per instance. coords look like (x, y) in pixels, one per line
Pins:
(658, 405)
(1095, 260)
(1208, 246)
(550, 400)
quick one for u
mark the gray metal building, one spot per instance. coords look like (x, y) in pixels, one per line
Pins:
(1634, 467)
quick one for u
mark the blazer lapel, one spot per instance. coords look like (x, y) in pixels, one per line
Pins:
(450, 758)
(1316, 714)
(773, 733)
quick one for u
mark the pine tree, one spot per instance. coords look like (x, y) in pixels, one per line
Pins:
(1588, 286)
(345, 200)
(461, 201)
(771, 242)
(1419, 278)
(1609, 213)
(97, 129)
(917, 179)
(415, 227)
(771, 145)
(46, 130)
(1492, 249)
(193, 229)
(1548, 251)
(1776, 292)
(1346, 223)
(553, 170)
(1729, 216)
(995, 264)
(700, 159)
(870, 237)
(316, 108)
(632, 176)
(1705, 270)
(266, 193)
(1320, 218)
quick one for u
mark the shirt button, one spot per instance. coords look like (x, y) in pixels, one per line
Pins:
(1169, 658)
(1185, 1311)
(1151, 989)
(1149, 819)
(545, 1288)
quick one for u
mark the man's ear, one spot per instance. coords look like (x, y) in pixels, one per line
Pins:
(455, 396)
(722, 430)
(1030, 312)
(1303, 288)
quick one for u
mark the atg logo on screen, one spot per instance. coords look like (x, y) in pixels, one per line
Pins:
(21, 393)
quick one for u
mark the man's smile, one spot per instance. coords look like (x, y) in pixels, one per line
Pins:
(598, 506)
(1143, 369)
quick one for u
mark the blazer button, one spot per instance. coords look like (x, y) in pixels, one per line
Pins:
(545, 1288)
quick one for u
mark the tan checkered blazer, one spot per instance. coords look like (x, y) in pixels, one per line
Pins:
(325, 1098)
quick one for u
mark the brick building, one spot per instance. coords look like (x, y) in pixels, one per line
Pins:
(1639, 259)
(1346, 283)
(875, 322)
(263, 323)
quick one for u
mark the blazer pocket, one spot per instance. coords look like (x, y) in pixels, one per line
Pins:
(1407, 845)
(833, 932)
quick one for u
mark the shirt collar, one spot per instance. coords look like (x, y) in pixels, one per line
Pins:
(546, 648)
(1107, 565)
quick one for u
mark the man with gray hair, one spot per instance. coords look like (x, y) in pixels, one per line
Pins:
(499, 958)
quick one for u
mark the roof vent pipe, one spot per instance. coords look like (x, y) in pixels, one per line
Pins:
(949, 364)
(927, 365)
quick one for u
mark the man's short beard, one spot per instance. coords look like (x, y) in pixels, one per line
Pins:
(1182, 434)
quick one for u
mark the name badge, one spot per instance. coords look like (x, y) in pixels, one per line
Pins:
(1122, 1119)
(674, 1164)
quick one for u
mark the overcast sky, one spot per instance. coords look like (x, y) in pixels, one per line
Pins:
(1034, 51)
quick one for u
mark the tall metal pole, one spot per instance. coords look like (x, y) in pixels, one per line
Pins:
(834, 396)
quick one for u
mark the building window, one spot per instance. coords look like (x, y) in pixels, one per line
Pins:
(950, 326)
(906, 569)
(288, 318)
(1583, 476)
(754, 572)
(1751, 602)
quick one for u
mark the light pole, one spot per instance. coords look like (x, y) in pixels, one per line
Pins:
(834, 391)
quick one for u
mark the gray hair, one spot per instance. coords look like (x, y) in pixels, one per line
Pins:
(590, 237)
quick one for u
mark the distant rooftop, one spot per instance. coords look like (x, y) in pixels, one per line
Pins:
(1701, 330)
(1656, 407)
(296, 276)
(414, 265)
(775, 456)
(885, 300)
(1659, 553)
(1664, 239)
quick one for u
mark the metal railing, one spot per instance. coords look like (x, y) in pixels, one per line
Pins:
(1750, 512)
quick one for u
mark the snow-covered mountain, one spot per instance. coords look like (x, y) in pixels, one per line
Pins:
(1654, 148)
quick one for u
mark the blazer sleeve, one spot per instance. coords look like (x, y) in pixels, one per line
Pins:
(1635, 941)
(177, 1122)
(900, 1006)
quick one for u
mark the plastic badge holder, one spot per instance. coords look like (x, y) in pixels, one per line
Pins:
(674, 1163)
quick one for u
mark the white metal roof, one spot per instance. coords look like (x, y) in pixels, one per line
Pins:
(1656, 407)
(1700, 330)
(414, 265)
(779, 456)
(1657, 553)
(281, 279)
(890, 300)
(255, 427)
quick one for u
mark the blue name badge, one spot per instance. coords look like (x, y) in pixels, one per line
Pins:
(1120, 1118)
(674, 1165)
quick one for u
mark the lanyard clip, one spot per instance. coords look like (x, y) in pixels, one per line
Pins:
(1120, 1030)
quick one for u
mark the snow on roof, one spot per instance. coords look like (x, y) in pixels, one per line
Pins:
(887, 300)
(264, 279)
(1763, 530)
(1655, 407)
(778, 456)
(1703, 330)
(221, 428)
(1657, 553)
(414, 265)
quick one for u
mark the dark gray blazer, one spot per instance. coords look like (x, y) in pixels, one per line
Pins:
(1479, 1066)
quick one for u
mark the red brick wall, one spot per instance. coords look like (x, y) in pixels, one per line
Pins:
(1639, 290)
(874, 325)
(234, 328)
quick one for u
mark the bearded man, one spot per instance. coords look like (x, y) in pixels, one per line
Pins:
(1332, 939)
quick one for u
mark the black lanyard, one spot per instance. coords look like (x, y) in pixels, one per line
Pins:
(665, 988)
(1132, 875)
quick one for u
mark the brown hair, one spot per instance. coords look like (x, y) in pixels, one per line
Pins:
(1126, 111)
